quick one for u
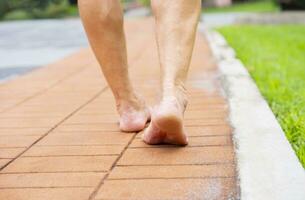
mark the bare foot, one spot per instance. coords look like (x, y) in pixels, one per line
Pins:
(166, 126)
(133, 115)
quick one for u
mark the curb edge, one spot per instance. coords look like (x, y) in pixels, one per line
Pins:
(259, 140)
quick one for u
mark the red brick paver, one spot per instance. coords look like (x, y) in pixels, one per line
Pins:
(59, 137)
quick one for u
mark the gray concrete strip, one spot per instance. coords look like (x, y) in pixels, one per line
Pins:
(229, 18)
(34, 43)
(28, 44)
(222, 19)
(267, 165)
(288, 17)
(137, 12)
(9, 73)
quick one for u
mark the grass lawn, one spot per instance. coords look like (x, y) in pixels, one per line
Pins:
(256, 6)
(275, 57)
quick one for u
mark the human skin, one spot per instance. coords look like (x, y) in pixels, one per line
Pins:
(176, 23)
(103, 22)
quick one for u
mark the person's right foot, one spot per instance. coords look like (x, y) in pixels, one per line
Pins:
(166, 125)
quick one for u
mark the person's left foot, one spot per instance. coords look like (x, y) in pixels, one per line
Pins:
(133, 115)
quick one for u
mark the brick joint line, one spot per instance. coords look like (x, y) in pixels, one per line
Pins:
(43, 90)
(112, 167)
(54, 127)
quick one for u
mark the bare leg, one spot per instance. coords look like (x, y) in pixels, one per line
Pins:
(103, 22)
(176, 23)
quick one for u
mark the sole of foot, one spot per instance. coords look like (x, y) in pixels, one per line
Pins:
(166, 126)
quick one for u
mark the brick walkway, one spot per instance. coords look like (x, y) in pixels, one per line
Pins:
(59, 137)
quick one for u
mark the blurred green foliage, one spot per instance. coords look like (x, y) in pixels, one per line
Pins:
(144, 2)
(23, 9)
(17, 15)
(36, 9)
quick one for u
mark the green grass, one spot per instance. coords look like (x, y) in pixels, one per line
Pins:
(275, 58)
(255, 6)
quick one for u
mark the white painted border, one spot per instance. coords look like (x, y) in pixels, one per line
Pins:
(267, 165)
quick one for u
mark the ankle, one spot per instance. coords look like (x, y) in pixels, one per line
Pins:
(178, 95)
(132, 102)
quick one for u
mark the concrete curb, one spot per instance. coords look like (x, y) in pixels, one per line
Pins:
(267, 165)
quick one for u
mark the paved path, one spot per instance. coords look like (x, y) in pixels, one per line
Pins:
(59, 137)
